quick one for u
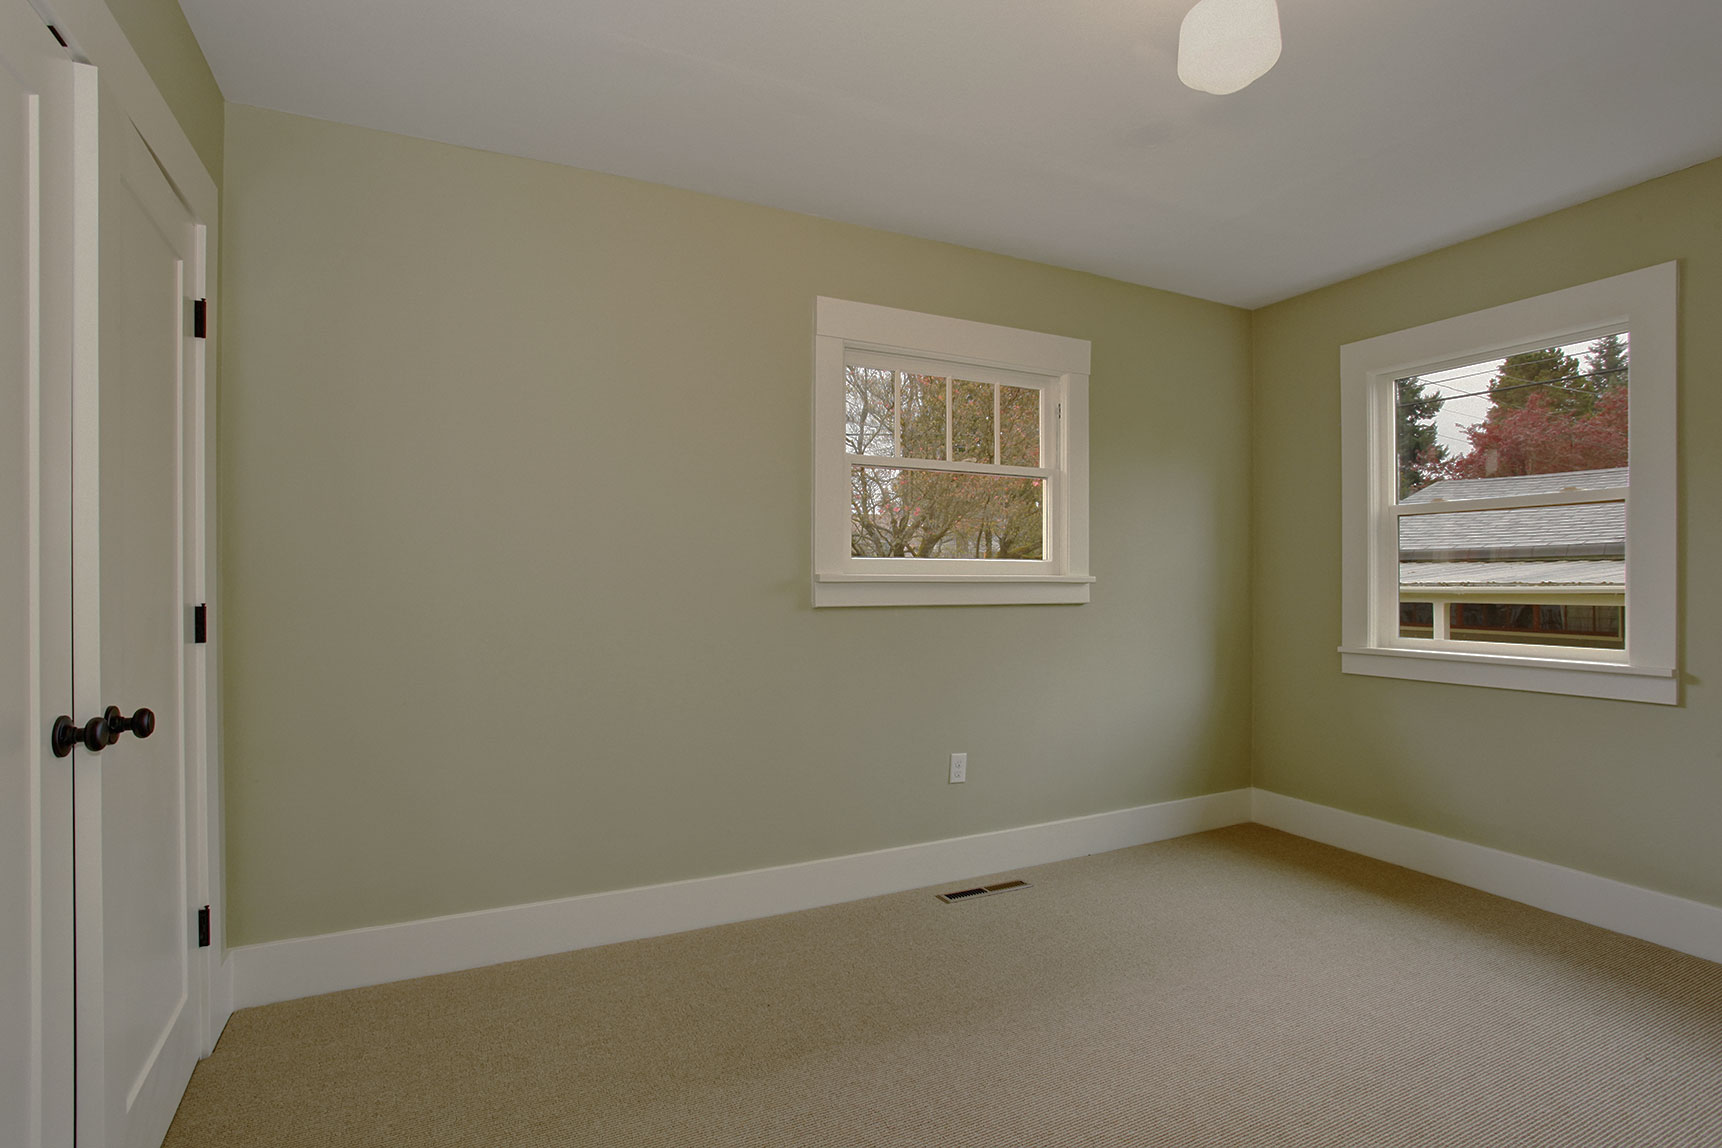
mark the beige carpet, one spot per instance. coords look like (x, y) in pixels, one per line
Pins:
(1236, 988)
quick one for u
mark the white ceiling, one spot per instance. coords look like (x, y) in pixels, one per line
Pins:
(1055, 131)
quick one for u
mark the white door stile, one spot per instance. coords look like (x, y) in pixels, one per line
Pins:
(60, 206)
(36, 1054)
(86, 592)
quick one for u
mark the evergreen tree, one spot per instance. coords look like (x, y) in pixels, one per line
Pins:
(1608, 363)
(1419, 455)
(1575, 420)
(1560, 374)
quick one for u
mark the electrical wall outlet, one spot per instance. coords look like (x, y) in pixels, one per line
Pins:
(959, 768)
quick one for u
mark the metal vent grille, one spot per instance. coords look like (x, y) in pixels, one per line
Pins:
(981, 891)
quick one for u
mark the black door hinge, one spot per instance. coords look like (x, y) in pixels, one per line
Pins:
(58, 37)
(200, 318)
(199, 624)
(203, 927)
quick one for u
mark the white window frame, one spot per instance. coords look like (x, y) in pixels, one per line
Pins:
(1643, 303)
(846, 330)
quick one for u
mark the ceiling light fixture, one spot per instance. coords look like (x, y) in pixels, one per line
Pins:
(1227, 45)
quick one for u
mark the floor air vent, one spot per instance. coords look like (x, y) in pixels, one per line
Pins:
(981, 891)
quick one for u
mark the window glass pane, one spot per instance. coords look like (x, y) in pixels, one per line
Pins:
(923, 416)
(1550, 575)
(1541, 535)
(1540, 421)
(1416, 619)
(971, 421)
(869, 406)
(927, 514)
(1598, 627)
(1019, 426)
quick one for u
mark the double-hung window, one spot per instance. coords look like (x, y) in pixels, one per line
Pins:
(1509, 495)
(950, 461)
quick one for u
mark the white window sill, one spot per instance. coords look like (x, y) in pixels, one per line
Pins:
(950, 590)
(1612, 680)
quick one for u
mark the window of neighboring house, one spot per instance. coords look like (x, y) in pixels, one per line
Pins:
(1509, 495)
(950, 461)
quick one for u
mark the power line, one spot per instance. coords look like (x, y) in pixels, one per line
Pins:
(1489, 367)
(1486, 365)
(1521, 384)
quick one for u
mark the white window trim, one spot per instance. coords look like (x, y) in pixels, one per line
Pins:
(1643, 302)
(842, 580)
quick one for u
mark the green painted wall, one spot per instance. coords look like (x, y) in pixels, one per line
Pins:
(1624, 790)
(164, 42)
(514, 498)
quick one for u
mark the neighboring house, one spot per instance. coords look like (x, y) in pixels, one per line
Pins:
(1545, 574)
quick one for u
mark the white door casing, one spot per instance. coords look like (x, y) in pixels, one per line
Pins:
(36, 180)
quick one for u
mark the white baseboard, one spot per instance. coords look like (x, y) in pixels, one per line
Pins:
(305, 966)
(1689, 926)
(220, 999)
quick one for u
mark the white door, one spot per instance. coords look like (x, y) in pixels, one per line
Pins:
(36, 80)
(139, 982)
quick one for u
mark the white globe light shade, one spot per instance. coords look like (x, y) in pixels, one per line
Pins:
(1226, 45)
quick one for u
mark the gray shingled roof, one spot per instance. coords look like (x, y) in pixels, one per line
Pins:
(1453, 489)
(1573, 575)
(1595, 530)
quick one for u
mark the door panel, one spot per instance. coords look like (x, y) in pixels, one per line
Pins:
(35, 571)
(135, 832)
(146, 902)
